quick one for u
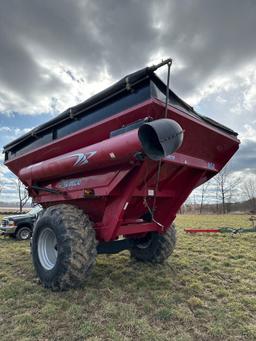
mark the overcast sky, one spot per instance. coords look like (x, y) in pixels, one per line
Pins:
(55, 54)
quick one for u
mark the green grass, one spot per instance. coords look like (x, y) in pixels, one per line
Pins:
(206, 291)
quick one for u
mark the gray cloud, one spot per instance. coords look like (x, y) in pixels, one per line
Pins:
(245, 159)
(127, 33)
(209, 37)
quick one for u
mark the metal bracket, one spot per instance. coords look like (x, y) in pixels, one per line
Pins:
(49, 190)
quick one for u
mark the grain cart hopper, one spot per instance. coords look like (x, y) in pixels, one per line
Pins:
(112, 172)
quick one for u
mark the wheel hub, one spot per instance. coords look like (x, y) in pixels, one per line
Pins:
(47, 249)
(24, 234)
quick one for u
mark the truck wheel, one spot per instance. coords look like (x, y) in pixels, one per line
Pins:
(63, 247)
(23, 233)
(154, 247)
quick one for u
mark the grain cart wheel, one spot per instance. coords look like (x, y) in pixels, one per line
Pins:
(63, 247)
(155, 247)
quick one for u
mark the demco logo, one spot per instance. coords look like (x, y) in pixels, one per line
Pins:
(81, 158)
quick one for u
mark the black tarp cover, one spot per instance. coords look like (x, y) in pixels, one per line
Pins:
(110, 101)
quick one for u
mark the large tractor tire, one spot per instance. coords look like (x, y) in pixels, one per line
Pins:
(63, 247)
(154, 247)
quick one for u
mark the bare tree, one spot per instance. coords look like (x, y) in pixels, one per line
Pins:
(203, 188)
(22, 194)
(249, 190)
(221, 189)
(226, 186)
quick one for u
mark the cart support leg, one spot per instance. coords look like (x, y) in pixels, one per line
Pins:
(115, 210)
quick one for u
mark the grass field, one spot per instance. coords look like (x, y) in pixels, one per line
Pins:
(206, 291)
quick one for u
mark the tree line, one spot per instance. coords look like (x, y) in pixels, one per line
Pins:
(223, 194)
(17, 188)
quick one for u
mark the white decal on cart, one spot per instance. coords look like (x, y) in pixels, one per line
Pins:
(151, 192)
(112, 155)
(170, 157)
(69, 183)
(82, 158)
(211, 165)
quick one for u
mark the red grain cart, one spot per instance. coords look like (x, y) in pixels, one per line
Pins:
(111, 174)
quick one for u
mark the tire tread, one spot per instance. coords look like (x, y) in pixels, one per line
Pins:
(78, 248)
(162, 249)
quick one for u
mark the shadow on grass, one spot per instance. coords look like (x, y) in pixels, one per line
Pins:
(120, 271)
